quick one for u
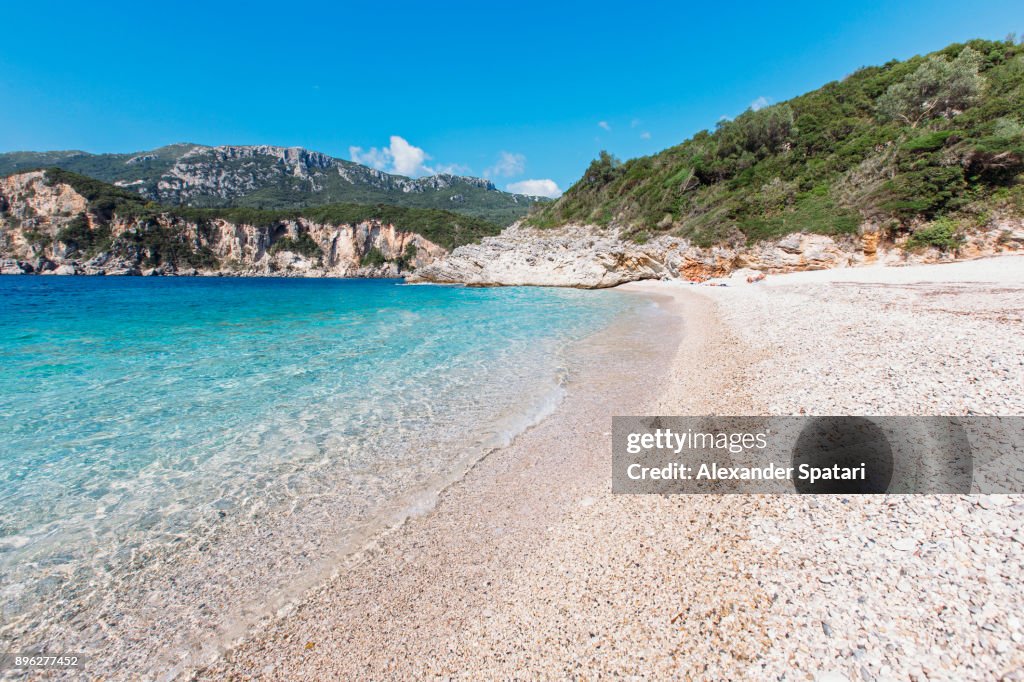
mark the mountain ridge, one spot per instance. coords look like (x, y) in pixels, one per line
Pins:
(273, 177)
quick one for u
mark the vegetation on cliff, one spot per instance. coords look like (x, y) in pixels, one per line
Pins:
(105, 201)
(444, 228)
(899, 145)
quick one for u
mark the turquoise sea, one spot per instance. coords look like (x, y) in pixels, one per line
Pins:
(168, 446)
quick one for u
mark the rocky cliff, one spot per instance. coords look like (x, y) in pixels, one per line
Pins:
(591, 257)
(50, 228)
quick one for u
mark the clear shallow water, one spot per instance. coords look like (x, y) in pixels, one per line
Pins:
(168, 446)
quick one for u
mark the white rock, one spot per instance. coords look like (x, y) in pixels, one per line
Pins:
(831, 676)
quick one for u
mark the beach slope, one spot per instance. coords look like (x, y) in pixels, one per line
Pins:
(530, 566)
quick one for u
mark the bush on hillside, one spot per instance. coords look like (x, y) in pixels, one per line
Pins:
(942, 234)
(895, 144)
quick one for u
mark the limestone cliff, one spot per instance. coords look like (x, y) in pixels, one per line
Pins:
(52, 229)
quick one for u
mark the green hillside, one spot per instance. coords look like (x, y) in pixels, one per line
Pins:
(934, 138)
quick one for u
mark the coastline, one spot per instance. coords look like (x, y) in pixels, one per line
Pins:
(530, 564)
(716, 372)
(453, 587)
(270, 514)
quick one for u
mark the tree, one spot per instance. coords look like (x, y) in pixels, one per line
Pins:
(936, 88)
(603, 169)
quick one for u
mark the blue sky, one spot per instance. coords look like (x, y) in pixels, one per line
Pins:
(514, 91)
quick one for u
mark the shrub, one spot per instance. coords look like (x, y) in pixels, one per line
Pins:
(303, 245)
(941, 234)
(80, 237)
(928, 142)
(373, 258)
(925, 192)
(938, 87)
(603, 169)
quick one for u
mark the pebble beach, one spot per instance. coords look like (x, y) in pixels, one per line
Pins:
(530, 568)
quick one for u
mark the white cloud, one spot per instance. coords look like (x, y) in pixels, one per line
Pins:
(373, 157)
(402, 158)
(645, 135)
(604, 125)
(537, 188)
(449, 168)
(406, 158)
(508, 164)
(760, 103)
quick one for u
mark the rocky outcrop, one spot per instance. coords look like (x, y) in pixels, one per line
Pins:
(29, 202)
(35, 218)
(570, 257)
(10, 266)
(588, 257)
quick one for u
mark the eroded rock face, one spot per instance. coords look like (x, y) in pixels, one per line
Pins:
(249, 250)
(9, 266)
(26, 197)
(586, 257)
(589, 257)
(34, 214)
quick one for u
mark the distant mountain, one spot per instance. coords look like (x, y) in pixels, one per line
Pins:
(268, 177)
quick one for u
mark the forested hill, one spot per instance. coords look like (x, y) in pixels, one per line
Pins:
(937, 138)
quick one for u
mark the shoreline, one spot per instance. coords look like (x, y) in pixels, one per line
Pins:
(695, 270)
(531, 564)
(547, 475)
(183, 601)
